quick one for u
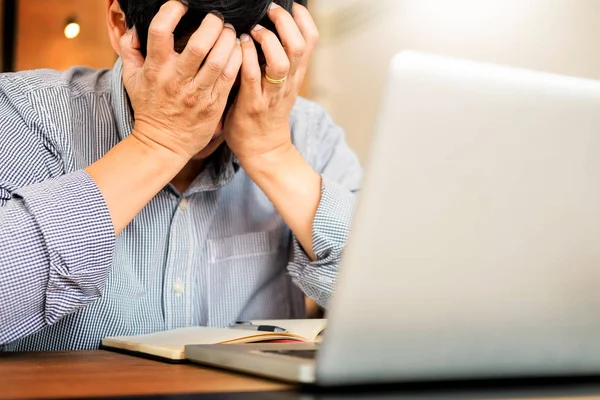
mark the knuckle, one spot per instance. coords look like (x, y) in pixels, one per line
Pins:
(172, 88)
(229, 75)
(256, 108)
(253, 79)
(215, 66)
(281, 67)
(266, 37)
(198, 50)
(297, 51)
(190, 100)
(313, 37)
(158, 29)
(150, 72)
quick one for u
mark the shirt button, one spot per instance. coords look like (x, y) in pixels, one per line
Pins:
(178, 287)
(183, 205)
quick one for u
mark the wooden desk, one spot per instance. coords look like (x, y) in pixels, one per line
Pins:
(103, 373)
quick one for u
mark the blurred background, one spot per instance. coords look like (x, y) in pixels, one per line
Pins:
(358, 39)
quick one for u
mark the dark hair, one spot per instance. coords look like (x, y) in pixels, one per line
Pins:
(242, 14)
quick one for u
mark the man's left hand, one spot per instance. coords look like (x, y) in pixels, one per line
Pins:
(258, 124)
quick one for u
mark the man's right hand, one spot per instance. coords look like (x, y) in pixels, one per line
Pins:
(177, 103)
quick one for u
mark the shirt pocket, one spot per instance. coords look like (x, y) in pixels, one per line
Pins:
(244, 247)
(242, 267)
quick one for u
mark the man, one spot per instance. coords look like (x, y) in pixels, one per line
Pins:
(186, 186)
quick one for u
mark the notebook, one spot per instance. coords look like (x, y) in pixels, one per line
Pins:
(170, 345)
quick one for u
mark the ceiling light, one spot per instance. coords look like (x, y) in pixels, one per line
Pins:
(72, 30)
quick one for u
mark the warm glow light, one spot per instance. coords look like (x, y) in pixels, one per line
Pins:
(72, 30)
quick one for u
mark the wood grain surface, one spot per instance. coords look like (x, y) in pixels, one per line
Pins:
(103, 373)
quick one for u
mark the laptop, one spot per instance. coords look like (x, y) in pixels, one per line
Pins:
(475, 248)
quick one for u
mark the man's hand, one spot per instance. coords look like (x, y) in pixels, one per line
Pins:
(178, 104)
(258, 124)
(178, 101)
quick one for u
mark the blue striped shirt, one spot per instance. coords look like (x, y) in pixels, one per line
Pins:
(215, 254)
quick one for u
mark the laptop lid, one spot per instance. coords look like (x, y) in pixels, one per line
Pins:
(475, 250)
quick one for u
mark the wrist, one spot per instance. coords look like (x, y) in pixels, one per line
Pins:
(271, 162)
(167, 156)
(165, 140)
(283, 170)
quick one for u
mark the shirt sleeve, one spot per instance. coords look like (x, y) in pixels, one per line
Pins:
(341, 174)
(56, 235)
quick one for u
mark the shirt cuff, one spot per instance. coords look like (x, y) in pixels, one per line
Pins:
(79, 237)
(331, 228)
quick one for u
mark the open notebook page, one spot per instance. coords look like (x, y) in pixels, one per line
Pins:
(171, 344)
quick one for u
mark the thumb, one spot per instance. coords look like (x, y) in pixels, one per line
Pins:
(131, 55)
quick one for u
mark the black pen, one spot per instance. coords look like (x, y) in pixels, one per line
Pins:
(247, 326)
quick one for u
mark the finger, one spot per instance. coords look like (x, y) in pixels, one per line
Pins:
(131, 55)
(307, 27)
(278, 64)
(160, 33)
(230, 73)
(217, 59)
(291, 37)
(199, 45)
(251, 86)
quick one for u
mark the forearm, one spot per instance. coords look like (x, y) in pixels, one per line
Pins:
(293, 187)
(131, 174)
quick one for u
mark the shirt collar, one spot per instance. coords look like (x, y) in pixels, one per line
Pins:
(120, 102)
(222, 165)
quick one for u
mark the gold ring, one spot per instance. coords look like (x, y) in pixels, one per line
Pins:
(275, 81)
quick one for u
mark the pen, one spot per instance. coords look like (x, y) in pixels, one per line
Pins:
(247, 326)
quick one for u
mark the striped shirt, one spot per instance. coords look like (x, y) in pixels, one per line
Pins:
(215, 254)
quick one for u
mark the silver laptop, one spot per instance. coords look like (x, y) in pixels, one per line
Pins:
(475, 249)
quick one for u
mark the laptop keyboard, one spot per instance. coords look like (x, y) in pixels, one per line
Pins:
(305, 354)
